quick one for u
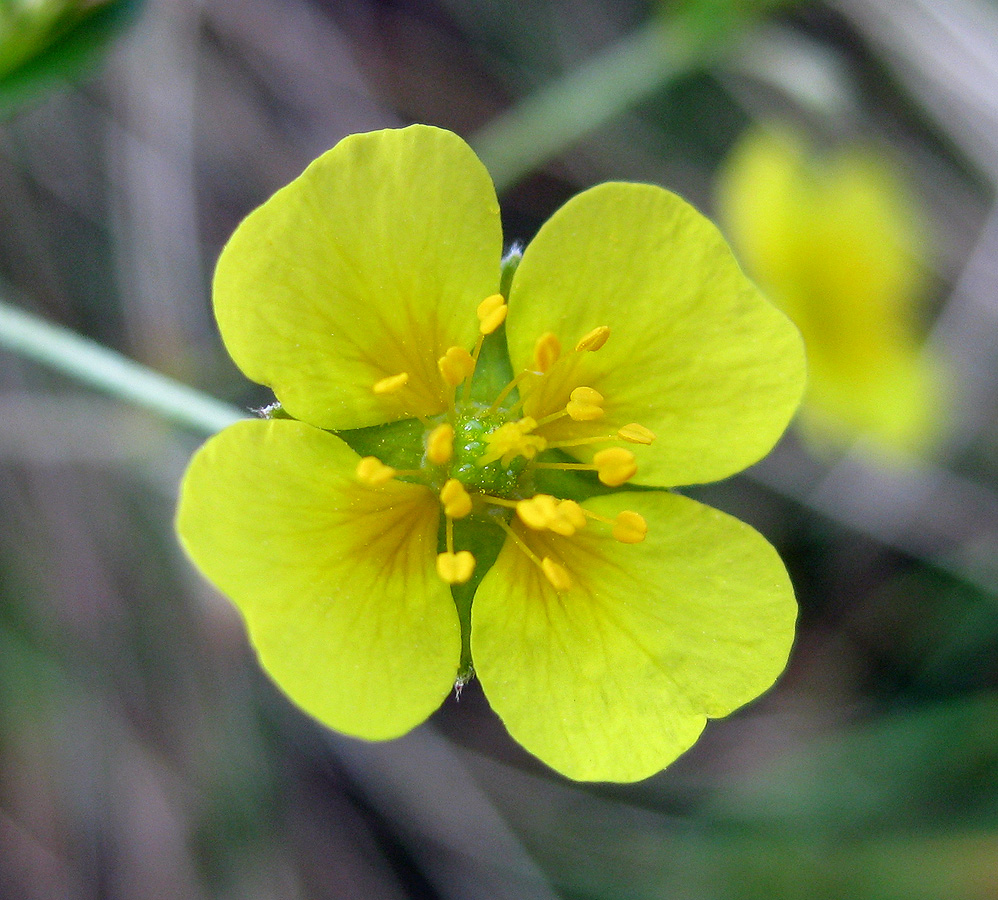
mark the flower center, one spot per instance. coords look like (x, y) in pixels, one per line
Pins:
(479, 435)
(481, 459)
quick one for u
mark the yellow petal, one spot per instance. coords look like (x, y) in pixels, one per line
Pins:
(612, 675)
(336, 579)
(694, 352)
(370, 264)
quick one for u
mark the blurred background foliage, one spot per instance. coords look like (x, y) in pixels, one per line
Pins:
(142, 753)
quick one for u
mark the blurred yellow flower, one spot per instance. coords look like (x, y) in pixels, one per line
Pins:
(837, 241)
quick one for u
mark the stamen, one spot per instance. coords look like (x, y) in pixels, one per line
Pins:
(466, 390)
(455, 499)
(556, 574)
(585, 405)
(504, 393)
(373, 472)
(566, 520)
(572, 513)
(546, 353)
(499, 501)
(455, 568)
(581, 442)
(614, 466)
(594, 339)
(491, 313)
(537, 511)
(629, 527)
(597, 516)
(440, 444)
(455, 365)
(547, 350)
(542, 511)
(636, 434)
(391, 384)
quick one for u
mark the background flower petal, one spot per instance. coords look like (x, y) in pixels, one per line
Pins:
(695, 353)
(615, 678)
(369, 264)
(837, 238)
(336, 581)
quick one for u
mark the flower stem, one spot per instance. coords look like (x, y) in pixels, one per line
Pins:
(556, 116)
(110, 372)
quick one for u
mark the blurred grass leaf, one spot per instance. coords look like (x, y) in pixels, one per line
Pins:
(43, 42)
(901, 807)
(715, 18)
(910, 769)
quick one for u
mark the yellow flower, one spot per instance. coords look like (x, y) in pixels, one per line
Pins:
(835, 240)
(464, 511)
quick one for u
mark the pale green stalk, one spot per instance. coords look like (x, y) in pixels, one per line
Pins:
(108, 371)
(540, 127)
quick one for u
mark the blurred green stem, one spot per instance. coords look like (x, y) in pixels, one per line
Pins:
(545, 123)
(108, 371)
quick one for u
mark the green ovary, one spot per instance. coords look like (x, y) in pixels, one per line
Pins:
(472, 427)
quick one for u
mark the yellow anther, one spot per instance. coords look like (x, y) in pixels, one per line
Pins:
(494, 320)
(491, 313)
(614, 466)
(636, 434)
(537, 511)
(560, 525)
(455, 568)
(391, 384)
(595, 339)
(542, 511)
(587, 395)
(373, 472)
(489, 305)
(581, 412)
(440, 444)
(455, 365)
(585, 405)
(572, 513)
(556, 574)
(546, 351)
(456, 500)
(567, 518)
(629, 527)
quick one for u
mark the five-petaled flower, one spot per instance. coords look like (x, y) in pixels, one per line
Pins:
(446, 484)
